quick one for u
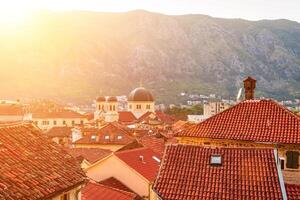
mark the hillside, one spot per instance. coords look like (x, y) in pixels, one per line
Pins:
(75, 56)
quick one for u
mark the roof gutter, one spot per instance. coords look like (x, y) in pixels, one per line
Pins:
(280, 177)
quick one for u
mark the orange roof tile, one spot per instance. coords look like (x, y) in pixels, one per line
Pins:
(95, 191)
(148, 167)
(126, 117)
(252, 120)
(186, 173)
(154, 143)
(92, 155)
(11, 109)
(59, 132)
(97, 136)
(58, 114)
(293, 191)
(32, 167)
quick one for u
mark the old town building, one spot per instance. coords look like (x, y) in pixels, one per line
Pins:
(254, 124)
(34, 168)
(196, 172)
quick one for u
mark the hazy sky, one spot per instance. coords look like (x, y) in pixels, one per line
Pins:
(247, 9)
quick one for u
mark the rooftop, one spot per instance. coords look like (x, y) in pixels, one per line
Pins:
(96, 191)
(32, 167)
(142, 160)
(59, 132)
(92, 155)
(293, 191)
(250, 120)
(186, 172)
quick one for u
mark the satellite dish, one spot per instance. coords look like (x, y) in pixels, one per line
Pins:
(239, 95)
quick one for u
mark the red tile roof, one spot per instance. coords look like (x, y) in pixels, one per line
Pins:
(154, 143)
(181, 125)
(111, 129)
(95, 191)
(250, 120)
(168, 119)
(57, 114)
(59, 132)
(186, 173)
(148, 167)
(115, 183)
(126, 117)
(11, 109)
(92, 155)
(32, 167)
(159, 115)
(293, 191)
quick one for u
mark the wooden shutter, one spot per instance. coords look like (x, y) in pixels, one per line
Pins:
(292, 159)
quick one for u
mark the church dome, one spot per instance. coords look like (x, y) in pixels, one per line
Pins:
(140, 94)
(112, 99)
(100, 99)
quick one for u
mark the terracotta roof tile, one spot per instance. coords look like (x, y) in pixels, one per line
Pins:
(148, 167)
(32, 167)
(115, 183)
(57, 114)
(95, 191)
(186, 173)
(252, 120)
(59, 132)
(92, 155)
(11, 109)
(293, 191)
(97, 136)
(126, 117)
(154, 143)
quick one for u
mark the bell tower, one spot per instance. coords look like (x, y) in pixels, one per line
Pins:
(249, 86)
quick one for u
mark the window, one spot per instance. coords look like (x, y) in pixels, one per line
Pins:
(119, 137)
(81, 122)
(106, 137)
(114, 107)
(93, 137)
(45, 122)
(148, 106)
(215, 160)
(54, 122)
(102, 107)
(138, 106)
(36, 123)
(65, 197)
(110, 107)
(99, 107)
(292, 159)
(64, 122)
(73, 122)
(282, 163)
(130, 106)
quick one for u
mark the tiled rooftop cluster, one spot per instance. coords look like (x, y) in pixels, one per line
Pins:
(32, 167)
(186, 173)
(251, 120)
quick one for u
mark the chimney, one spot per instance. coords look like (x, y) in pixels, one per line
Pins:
(249, 86)
(142, 158)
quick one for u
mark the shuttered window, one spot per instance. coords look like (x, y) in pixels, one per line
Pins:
(292, 159)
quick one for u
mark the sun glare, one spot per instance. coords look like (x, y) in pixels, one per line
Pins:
(13, 11)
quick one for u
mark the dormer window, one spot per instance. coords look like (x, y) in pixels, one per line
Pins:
(93, 137)
(215, 160)
(106, 137)
(119, 137)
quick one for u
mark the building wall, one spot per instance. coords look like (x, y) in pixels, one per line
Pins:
(107, 110)
(138, 108)
(114, 167)
(48, 123)
(102, 146)
(291, 176)
(11, 118)
(213, 108)
(74, 194)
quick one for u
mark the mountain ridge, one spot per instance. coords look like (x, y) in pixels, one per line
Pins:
(78, 55)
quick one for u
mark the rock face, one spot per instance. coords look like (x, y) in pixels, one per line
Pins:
(78, 55)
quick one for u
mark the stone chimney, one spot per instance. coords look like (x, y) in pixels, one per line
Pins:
(249, 86)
